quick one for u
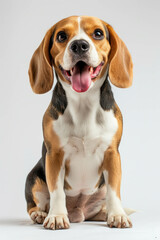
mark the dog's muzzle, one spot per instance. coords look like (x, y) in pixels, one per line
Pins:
(81, 72)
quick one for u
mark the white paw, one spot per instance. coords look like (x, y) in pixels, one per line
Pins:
(119, 221)
(38, 216)
(56, 222)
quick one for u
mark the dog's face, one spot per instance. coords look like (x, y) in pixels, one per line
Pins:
(80, 51)
(79, 48)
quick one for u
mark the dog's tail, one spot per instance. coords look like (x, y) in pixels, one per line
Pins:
(129, 211)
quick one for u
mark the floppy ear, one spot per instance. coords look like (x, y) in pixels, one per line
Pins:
(120, 61)
(40, 68)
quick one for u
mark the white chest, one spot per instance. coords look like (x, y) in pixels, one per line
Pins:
(85, 131)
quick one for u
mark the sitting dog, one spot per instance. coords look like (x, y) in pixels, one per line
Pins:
(79, 175)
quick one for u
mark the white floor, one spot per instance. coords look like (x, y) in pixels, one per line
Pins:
(145, 227)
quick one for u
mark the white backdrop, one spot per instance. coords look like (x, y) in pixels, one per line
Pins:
(22, 27)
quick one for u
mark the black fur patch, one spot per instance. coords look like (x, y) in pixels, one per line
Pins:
(53, 112)
(102, 181)
(37, 171)
(59, 100)
(106, 96)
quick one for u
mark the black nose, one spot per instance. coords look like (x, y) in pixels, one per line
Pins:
(79, 46)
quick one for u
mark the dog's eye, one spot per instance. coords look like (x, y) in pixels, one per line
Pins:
(98, 34)
(61, 36)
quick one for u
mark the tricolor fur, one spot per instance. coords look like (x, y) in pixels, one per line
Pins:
(78, 177)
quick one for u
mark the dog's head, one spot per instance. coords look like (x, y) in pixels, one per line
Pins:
(79, 49)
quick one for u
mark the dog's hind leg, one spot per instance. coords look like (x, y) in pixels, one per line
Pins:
(36, 193)
(39, 210)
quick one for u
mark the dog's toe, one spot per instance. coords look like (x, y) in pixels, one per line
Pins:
(119, 221)
(56, 222)
(38, 216)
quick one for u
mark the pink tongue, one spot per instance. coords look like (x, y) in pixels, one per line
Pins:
(81, 80)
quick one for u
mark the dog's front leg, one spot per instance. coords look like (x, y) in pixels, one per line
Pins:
(57, 216)
(112, 173)
(54, 168)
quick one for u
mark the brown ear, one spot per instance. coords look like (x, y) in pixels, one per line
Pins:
(120, 61)
(40, 68)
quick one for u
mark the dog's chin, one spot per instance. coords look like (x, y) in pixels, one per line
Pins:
(81, 75)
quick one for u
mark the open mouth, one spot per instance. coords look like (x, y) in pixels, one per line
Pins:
(81, 75)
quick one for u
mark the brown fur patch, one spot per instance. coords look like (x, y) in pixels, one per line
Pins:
(40, 68)
(66, 185)
(54, 155)
(112, 165)
(112, 162)
(39, 186)
(34, 209)
(121, 65)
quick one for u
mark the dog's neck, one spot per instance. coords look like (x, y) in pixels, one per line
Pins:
(81, 105)
(84, 100)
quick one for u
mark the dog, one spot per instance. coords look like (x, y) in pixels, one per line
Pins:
(78, 177)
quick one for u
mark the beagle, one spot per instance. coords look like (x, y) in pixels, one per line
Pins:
(78, 177)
